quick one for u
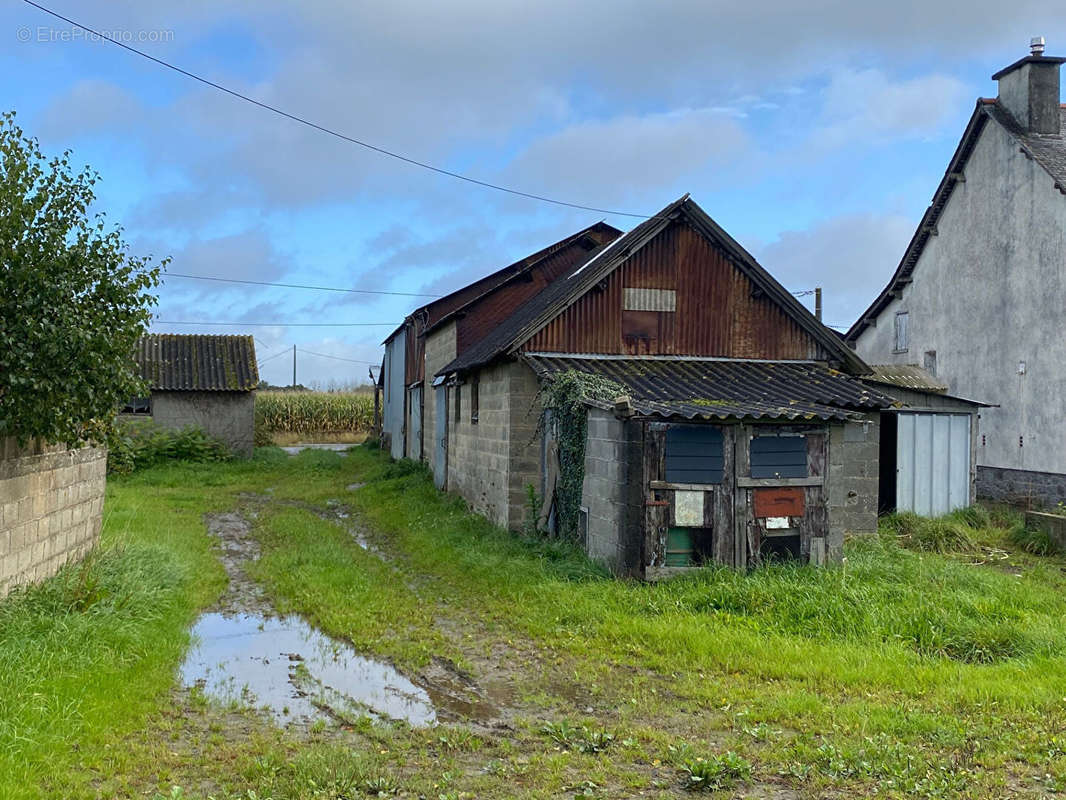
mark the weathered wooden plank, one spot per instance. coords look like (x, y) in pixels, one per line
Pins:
(754, 483)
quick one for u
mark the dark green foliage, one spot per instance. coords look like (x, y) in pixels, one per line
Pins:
(1037, 542)
(564, 398)
(144, 444)
(73, 301)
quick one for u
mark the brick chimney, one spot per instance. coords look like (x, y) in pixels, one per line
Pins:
(1029, 90)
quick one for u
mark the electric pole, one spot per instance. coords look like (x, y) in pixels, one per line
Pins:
(817, 304)
(294, 366)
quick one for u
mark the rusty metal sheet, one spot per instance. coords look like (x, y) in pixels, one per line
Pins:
(779, 501)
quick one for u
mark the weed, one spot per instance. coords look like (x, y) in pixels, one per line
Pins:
(144, 444)
(583, 739)
(715, 772)
(459, 739)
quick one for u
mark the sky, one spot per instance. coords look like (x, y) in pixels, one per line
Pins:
(814, 132)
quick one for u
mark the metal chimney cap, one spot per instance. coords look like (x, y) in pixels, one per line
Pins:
(1036, 45)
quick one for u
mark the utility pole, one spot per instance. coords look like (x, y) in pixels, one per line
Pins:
(818, 303)
(294, 365)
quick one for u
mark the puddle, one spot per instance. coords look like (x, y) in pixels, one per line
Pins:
(296, 672)
(342, 449)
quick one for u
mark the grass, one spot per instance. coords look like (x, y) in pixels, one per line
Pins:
(928, 665)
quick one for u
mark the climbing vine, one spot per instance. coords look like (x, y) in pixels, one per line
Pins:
(563, 400)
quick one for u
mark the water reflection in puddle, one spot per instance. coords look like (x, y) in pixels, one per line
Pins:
(296, 672)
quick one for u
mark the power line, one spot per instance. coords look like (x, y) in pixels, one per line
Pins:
(281, 324)
(294, 285)
(339, 358)
(330, 131)
(269, 358)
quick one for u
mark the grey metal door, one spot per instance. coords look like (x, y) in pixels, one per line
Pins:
(440, 447)
(932, 463)
(414, 423)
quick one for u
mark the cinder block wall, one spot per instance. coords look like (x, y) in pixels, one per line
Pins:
(492, 463)
(854, 449)
(478, 460)
(51, 507)
(228, 416)
(604, 492)
(1037, 489)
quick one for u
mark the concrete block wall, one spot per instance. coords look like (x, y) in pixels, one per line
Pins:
(51, 507)
(492, 463)
(604, 492)
(227, 416)
(524, 444)
(479, 455)
(854, 450)
(440, 351)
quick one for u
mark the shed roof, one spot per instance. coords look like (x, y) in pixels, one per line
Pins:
(906, 376)
(715, 388)
(197, 363)
(559, 295)
(1047, 150)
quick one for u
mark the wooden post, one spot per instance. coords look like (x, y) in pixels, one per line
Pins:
(818, 303)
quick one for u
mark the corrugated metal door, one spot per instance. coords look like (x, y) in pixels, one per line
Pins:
(440, 445)
(932, 463)
(414, 423)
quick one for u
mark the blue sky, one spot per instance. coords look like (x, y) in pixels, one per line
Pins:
(815, 133)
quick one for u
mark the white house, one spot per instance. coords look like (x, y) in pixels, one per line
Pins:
(979, 297)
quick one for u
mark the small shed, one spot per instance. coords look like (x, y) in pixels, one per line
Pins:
(202, 381)
(929, 442)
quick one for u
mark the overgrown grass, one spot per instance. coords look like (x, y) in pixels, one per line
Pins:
(905, 672)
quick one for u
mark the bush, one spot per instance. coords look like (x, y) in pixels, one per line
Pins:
(144, 444)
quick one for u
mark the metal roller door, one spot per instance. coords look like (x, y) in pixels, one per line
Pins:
(933, 463)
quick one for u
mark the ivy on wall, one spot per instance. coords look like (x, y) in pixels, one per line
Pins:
(563, 400)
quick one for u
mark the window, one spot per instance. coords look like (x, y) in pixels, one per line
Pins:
(694, 454)
(138, 405)
(779, 457)
(475, 401)
(930, 362)
(901, 331)
(457, 397)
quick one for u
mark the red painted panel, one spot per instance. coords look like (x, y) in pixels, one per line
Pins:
(779, 501)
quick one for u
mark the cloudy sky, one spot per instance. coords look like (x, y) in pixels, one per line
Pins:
(814, 132)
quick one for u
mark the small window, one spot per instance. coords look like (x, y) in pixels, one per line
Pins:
(930, 362)
(138, 405)
(457, 396)
(779, 457)
(901, 331)
(475, 401)
(694, 454)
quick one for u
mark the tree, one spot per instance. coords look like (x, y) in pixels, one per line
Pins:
(73, 301)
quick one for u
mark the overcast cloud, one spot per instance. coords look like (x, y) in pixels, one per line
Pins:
(814, 132)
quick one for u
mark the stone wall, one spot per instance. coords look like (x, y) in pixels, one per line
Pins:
(854, 450)
(227, 416)
(51, 507)
(604, 493)
(1020, 486)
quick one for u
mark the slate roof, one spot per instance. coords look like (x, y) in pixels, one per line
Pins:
(1048, 150)
(710, 388)
(905, 376)
(556, 297)
(195, 363)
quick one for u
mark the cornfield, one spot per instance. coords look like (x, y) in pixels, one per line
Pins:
(314, 412)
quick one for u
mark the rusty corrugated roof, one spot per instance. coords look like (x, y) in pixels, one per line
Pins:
(197, 363)
(906, 376)
(674, 386)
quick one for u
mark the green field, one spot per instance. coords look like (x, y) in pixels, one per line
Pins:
(903, 673)
(305, 415)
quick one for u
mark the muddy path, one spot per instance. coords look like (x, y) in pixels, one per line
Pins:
(245, 652)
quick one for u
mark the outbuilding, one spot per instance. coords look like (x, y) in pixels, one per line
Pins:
(202, 381)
